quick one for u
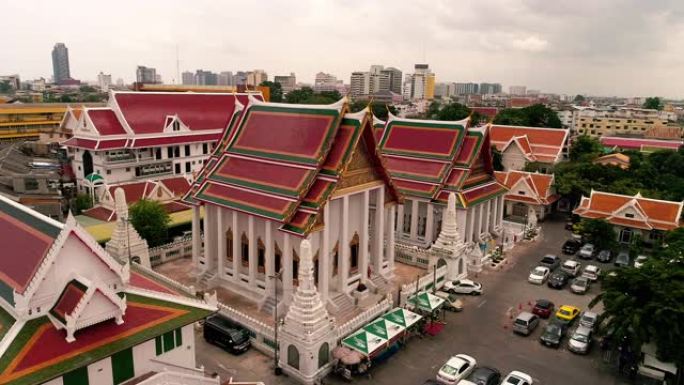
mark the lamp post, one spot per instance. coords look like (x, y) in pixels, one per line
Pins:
(277, 370)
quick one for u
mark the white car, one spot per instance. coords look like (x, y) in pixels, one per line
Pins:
(463, 286)
(587, 251)
(591, 272)
(640, 260)
(517, 378)
(456, 368)
(539, 275)
(571, 267)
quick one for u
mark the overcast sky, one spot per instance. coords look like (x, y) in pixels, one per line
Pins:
(597, 47)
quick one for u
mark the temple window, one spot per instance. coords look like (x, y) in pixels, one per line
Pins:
(354, 254)
(278, 256)
(245, 250)
(261, 256)
(229, 244)
(295, 268)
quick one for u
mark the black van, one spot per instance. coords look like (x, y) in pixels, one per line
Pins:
(225, 333)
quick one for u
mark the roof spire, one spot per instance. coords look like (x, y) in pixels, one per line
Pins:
(449, 236)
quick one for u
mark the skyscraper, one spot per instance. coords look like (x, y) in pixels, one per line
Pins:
(60, 63)
(104, 81)
(394, 79)
(146, 75)
(421, 84)
(287, 82)
(188, 78)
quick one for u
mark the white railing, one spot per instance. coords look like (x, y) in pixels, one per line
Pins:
(251, 323)
(175, 250)
(436, 276)
(170, 378)
(171, 282)
(365, 317)
(412, 255)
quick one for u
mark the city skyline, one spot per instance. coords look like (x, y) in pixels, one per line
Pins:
(552, 47)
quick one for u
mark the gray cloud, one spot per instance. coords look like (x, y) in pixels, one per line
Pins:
(608, 47)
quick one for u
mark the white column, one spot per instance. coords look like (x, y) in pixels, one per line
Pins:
(196, 236)
(287, 265)
(390, 240)
(209, 237)
(400, 219)
(252, 251)
(414, 220)
(488, 214)
(429, 219)
(480, 222)
(501, 204)
(495, 213)
(379, 230)
(237, 256)
(344, 246)
(270, 259)
(324, 256)
(363, 242)
(471, 233)
(221, 249)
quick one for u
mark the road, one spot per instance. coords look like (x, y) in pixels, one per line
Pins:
(482, 330)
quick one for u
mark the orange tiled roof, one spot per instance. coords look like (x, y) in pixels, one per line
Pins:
(540, 184)
(650, 213)
(545, 144)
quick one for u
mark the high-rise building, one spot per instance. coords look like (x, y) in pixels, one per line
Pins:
(467, 88)
(365, 84)
(490, 88)
(145, 75)
(256, 77)
(225, 78)
(60, 63)
(517, 90)
(240, 78)
(287, 82)
(13, 80)
(188, 78)
(421, 84)
(206, 78)
(359, 84)
(394, 79)
(327, 82)
(104, 81)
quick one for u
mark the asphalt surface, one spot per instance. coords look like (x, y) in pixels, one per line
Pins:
(482, 330)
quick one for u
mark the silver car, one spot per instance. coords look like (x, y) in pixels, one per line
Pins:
(580, 285)
(580, 341)
(588, 319)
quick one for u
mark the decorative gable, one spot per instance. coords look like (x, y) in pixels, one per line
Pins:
(174, 124)
(630, 210)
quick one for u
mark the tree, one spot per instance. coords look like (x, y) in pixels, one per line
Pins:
(86, 89)
(579, 99)
(151, 221)
(645, 305)
(5, 87)
(275, 89)
(380, 110)
(497, 161)
(300, 95)
(306, 95)
(598, 232)
(537, 115)
(653, 103)
(451, 111)
(82, 202)
(585, 147)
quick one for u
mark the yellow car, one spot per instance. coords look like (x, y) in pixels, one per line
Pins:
(567, 313)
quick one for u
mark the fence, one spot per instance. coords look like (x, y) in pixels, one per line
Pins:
(424, 283)
(168, 377)
(412, 255)
(262, 335)
(365, 317)
(180, 248)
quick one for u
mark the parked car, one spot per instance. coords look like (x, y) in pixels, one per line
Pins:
(571, 246)
(463, 286)
(587, 251)
(456, 369)
(517, 378)
(451, 301)
(580, 285)
(551, 261)
(558, 280)
(580, 340)
(525, 323)
(538, 275)
(484, 375)
(571, 267)
(588, 319)
(604, 256)
(552, 335)
(591, 272)
(567, 313)
(543, 308)
(640, 260)
(622, 259)
(225, 333)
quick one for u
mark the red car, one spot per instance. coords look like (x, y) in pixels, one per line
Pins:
(543, 308)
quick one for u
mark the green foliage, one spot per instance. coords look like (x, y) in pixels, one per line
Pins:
(598, 232)
(653, 103)
(5, 87)
(585, 147)
(82, 202)
(306, 95)
(380, 110)
(86, 89)
(497, 161)
(579, 99)
(151, 221)
(453, 111)
(646, 305)
(537, 115)
(276, 90)
(535, 166)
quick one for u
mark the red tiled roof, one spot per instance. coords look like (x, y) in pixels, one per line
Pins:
(659, 214)
(177, 185)
(545, 144)
(106, 122)
(89, 144)
(638, 144)
(134, 191)
(489, 112)
(174, 207)
(100, 213)
(539, 184)
(112, 144)
(175, 139)
(146, 112)
(70, 297)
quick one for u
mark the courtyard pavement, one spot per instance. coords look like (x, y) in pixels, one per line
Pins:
(482, 330)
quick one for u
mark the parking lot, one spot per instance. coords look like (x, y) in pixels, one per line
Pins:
(482, 330)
